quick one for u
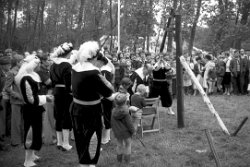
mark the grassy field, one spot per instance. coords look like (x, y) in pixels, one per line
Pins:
(172, 147)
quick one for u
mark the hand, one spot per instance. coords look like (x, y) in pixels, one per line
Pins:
(49, 98)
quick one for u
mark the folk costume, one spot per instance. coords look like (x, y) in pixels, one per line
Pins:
(107, 105)
(160, 85)
(28, 82)
(60, 74)
(88, 86)
(140, 76)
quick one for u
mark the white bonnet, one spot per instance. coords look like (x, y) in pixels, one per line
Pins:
(62, 50)
(87, 51)
(27, 68)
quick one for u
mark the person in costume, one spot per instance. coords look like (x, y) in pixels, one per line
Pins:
(108, 71)
(140, 76)
(28, 82)
(160, 85)
(88, 87)
(60, 75)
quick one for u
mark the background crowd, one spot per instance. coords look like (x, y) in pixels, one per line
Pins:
(226, 74)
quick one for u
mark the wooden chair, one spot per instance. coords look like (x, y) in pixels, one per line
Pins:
(150, 111)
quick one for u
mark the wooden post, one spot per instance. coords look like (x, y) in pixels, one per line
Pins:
(166, 31)
(204, 95)
(240, 126)
(211, 144)
(179, 77)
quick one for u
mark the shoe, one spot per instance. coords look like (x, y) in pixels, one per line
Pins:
(170, 111)
(60, 148)
(65, 144)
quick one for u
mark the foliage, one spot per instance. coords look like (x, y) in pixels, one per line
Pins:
(33, 24)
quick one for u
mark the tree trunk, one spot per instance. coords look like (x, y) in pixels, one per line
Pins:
(28, 25)
(149, 25)
(170, 33)
(193, 30)
(66, 18)
(35, 25)
(40, 40)
(98, 16)
(2, 20)
(111, 25)
(15, 18)
(9, 25)
(79, 23)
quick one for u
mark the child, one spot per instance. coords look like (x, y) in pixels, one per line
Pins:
(137, 103)
(122, 127)
(123, 88)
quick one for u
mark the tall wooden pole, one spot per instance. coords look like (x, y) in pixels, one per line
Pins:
(119, 37)
(179, 70)
(166, 31)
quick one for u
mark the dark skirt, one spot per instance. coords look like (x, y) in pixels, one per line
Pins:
(86, 121)
(161, 89)
(227, 78)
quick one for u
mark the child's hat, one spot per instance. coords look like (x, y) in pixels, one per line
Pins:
(120, 99)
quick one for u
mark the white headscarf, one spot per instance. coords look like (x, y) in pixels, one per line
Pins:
(27, 69)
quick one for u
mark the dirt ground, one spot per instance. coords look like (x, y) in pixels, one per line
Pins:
(172, 147)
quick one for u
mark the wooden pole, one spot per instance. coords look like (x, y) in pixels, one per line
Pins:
(239, 128)
(179, 71)
(166, 31)
(119, 34)
(204, 95)
(211, 144)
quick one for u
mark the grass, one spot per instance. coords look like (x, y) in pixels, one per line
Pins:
(172, 147)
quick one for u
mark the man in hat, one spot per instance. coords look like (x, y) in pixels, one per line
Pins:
(5, 63)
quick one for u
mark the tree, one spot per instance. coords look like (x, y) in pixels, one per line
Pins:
(193, 30)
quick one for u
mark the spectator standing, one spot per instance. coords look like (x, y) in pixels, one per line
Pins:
(5, 65)
(227, 75)
(235, 72)
(16, 102)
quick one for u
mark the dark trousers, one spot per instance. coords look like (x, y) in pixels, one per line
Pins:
(161, 89)
(246, 81)
(107, 109)
(61, 109)
(33, 117)
(87, 121)
(5, 118)
(236, 83)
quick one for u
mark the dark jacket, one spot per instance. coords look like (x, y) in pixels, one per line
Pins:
(121, 123)
(220, 68)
